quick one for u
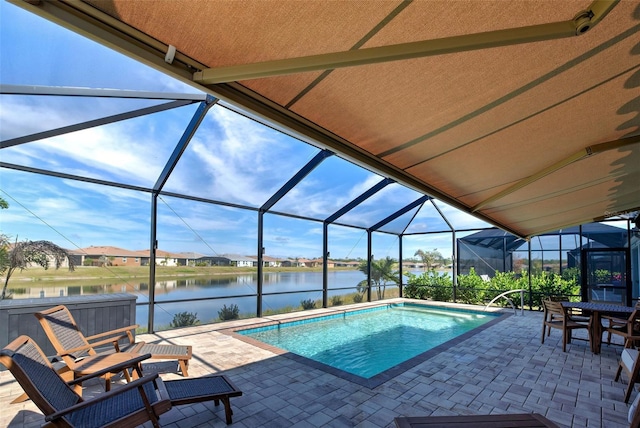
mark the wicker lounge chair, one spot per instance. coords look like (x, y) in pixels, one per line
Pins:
(130, 404)
(71, 344)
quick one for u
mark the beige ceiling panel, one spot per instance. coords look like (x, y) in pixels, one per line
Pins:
(425, 20)
(229, 32)
(560, 86)
(550, 213)
(614, 168)
(524, 149)
(382, 106)
(597, 187)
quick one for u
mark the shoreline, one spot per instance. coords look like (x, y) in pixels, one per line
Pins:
(123, 273)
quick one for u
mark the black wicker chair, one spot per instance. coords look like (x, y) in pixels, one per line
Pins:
(130, 405)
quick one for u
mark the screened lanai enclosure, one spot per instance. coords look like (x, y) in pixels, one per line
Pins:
(603, 257)
(172, 134)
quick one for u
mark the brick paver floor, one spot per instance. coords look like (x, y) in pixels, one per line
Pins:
(502, 369)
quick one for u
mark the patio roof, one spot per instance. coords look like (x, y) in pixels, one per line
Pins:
(522, 113)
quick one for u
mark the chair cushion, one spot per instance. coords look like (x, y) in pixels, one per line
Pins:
(632, 409)
(629, 358)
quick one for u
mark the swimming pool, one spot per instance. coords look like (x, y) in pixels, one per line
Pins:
(368, 343)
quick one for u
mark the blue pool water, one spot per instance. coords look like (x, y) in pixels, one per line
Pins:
(368, 342)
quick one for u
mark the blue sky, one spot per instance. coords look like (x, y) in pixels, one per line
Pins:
(231, 158)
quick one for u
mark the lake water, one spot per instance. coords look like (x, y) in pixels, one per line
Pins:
(280, 290)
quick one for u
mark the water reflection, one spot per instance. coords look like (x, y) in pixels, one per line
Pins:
(282, 292)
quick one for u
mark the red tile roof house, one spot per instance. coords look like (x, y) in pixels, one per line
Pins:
(109, 256)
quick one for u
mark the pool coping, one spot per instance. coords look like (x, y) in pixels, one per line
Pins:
(379, 379)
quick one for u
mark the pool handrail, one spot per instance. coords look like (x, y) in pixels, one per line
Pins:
(515, 312)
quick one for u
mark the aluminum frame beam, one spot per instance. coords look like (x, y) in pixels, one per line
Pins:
(97, 93)
(186, 137)
(93, 123)
(304, 171)
(421, 200)
(357, 201)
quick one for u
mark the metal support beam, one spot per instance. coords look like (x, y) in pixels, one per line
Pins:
(260, 268)
(304, 171)
(64, 91)
(357, 201)
(93, 123)
(455, 268)
(400, 266)
(580, 24)
(400, 212)
(153, 246)
(369, 261)
(325, 269)
(72, 177)
(187, 135)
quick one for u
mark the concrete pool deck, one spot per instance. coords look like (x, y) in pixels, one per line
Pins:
(501, 369)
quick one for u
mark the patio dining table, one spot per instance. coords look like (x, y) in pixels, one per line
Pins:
(596, 310)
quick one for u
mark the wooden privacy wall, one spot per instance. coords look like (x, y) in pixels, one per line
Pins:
(93, 314)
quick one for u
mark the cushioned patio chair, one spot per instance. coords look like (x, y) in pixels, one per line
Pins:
(73, 346)
(631, 366)
(633, 416)
(129, 405)
(559, 317)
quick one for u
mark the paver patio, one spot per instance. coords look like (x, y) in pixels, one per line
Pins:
(503, 369)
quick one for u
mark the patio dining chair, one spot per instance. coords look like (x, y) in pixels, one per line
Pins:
(575, 313)
(75, 348)
(558, 317)
(631, 366)
(130, 405)
(628, 329)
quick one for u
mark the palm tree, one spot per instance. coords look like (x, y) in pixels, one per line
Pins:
(25, 253)
(382, 273)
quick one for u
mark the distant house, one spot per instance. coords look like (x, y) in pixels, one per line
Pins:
(298, 263)
(213, 261)
(352, 264)
(109, 256)
(320, 262)
(165, 258)
(240, 261)
(268, 261)
(307, 263)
